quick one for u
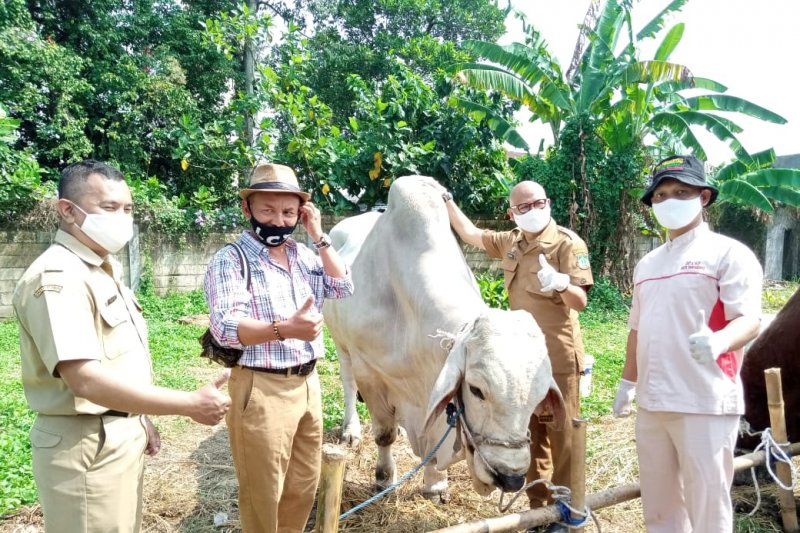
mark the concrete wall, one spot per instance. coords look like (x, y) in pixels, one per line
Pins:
(179, 265)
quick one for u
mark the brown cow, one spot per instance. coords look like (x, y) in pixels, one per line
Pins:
(777, 346)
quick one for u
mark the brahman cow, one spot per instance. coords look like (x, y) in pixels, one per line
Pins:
(416, 335)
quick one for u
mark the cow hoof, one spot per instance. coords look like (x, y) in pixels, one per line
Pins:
(384, 478)
(351, 438)
(437, 497)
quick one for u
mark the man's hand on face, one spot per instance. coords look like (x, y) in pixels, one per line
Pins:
(706, 345)
(551, 279)
(312, 221)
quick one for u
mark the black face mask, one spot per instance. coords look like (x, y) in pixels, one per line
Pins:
(272, 235)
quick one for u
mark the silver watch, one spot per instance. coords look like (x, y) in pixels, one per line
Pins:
(323, 242)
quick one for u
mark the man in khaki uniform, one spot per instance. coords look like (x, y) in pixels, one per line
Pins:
(86, 366)
(546, 270)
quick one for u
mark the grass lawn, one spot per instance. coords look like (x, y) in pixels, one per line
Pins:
(175, 350)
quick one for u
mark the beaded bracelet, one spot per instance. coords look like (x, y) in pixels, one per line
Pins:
(275, 329)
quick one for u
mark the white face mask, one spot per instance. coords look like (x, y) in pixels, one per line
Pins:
(111, 231)
(676, 214)
(534, 220)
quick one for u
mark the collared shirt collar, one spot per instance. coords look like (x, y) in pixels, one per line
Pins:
(680, 240)
(78, 248)
(547, 236)
(255, 247)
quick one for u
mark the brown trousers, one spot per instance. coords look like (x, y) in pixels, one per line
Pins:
(551, 450)
(275, 425)
(89, 472)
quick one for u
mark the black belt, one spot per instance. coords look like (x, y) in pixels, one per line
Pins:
(299, 370)
(112, 412)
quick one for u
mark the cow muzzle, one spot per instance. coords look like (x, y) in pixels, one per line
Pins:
(509, 483)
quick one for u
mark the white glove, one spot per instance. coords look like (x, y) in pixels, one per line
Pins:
(705, 345)
(550, 279)
(624, 400)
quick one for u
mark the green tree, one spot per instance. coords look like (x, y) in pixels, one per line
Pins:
(610, 97)
(43, 88)
(118, 79)
(757, 184)
(363, 37)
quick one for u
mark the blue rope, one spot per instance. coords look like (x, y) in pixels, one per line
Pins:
(452, 417)
(566, 516)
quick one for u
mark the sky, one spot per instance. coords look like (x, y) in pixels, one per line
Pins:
(751, 47)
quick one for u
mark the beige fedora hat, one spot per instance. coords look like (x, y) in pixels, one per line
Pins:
(268, 177)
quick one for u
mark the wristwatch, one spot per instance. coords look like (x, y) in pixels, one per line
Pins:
(323, 242)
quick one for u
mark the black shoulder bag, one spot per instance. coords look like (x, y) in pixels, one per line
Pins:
(223, 355)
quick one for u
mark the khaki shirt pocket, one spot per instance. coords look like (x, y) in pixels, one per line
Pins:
(118, 332)
(43, 439)
(509, 267)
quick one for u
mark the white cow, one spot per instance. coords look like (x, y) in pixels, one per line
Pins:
(416, 335)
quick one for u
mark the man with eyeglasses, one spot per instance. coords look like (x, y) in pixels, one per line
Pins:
(696, 303)
(547, 273)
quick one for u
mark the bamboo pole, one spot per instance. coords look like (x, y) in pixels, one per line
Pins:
(596, 500)
(578, 466)
(778, 423)
(543, 515)
(329, 501)
(750, 460)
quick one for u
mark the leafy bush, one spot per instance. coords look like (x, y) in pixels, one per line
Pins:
(20, 176)
(605, 297)
(493, 291)
(177, 215)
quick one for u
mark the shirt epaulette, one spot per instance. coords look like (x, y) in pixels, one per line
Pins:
(569, 233)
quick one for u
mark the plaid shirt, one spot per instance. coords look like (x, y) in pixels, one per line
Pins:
(275, 295)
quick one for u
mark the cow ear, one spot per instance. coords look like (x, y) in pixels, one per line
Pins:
(551, 410)
(447, 383)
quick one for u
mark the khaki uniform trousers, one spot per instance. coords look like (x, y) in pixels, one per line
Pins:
(275, 425)
(551, 450)
(686, 471)
(89, 471)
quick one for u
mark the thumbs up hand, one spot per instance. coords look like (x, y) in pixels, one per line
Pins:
(705, 345)
(210, 404)
(305, 324)
(551, 279)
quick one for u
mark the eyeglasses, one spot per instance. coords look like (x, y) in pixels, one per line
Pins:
(521, 209)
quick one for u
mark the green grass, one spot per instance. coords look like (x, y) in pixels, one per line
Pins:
(175, 349)
(16, 477)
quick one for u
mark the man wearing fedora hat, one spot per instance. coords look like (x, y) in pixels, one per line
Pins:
(275, 420)
(696, 303)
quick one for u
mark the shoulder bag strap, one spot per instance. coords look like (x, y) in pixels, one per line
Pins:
(244, 262)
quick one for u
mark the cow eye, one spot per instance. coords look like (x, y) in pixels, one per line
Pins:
(477, 392)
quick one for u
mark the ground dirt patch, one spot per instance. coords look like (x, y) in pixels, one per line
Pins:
(192, 481)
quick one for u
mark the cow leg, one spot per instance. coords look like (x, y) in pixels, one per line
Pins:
(351, 425)
(385, 468)
(435, 484)
(384, 429)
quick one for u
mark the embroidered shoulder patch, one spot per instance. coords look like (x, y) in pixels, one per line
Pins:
(583, 261)
(54, 288)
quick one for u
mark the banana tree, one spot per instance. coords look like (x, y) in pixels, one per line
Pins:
(758, 184)
(629, 97)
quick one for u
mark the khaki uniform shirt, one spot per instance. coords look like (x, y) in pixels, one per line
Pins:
(71, 305)
(568, 254)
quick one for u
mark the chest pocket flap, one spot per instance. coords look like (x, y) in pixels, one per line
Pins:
(509, 267)
(118, 331)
